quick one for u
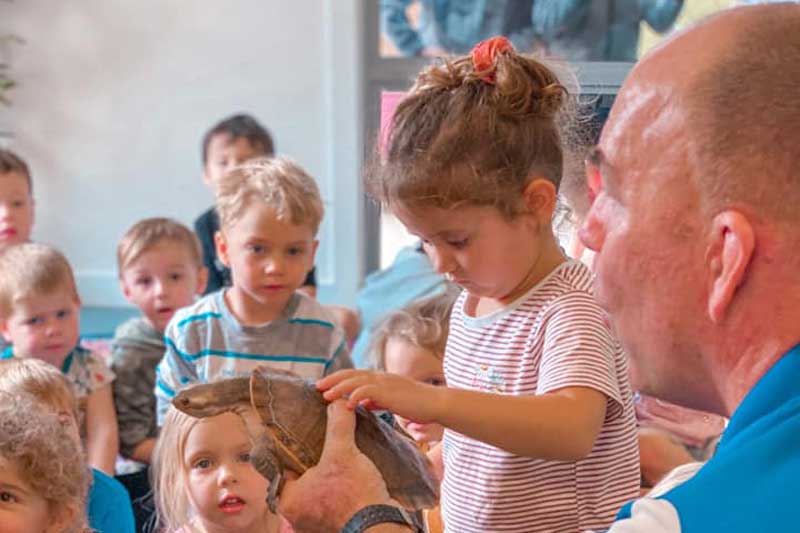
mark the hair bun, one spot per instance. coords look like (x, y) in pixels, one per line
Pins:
(484, 57)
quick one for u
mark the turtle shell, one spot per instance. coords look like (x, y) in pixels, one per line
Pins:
(294, 416)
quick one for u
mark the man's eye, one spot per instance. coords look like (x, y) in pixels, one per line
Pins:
(7, 497)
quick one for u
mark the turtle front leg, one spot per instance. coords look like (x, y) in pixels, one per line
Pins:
(265, 459)
(275, 487)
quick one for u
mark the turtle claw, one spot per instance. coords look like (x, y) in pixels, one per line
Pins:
(275, 486)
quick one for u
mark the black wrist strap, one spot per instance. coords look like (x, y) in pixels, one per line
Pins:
(380, 514)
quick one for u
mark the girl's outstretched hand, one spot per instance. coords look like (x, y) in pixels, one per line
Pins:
(408, 398)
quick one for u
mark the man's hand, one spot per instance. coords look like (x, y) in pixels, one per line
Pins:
(343, 482)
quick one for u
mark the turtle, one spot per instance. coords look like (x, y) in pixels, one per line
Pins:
(293, 416)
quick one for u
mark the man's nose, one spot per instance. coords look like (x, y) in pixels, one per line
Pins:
(592, 232)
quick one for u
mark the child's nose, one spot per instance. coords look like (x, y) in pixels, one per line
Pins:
(227, 474)
(442, 261)
(274, 264)
(160, 288)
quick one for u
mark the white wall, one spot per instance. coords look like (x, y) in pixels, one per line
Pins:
(114, 96)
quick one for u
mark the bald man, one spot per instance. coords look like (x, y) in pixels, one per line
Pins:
(696, 229)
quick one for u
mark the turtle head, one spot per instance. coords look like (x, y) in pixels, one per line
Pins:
(211, 399)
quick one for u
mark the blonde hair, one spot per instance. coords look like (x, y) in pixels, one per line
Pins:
(31, 268)
(149, 232)
(460, 139)
(46, 457)
(41, 380)
(424, 323)
(279, 183)
(168, 476)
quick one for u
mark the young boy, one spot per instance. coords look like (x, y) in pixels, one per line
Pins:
(109, 507)
(16, 200)
(160, 271)
(270, 211)
(16, 204)
(39, 307)
(228, 144)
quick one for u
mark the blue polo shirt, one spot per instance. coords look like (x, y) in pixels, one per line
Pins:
(109, 506)
(751, 483)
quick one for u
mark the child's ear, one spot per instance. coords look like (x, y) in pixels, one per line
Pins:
(314, 247)
(126, 292)
(202, 280)
(62, 518)
(221, 245)
(539, 197)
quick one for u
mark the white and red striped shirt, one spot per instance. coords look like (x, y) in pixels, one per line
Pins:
(553, 337)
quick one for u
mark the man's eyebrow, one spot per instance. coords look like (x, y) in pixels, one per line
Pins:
(597, 159)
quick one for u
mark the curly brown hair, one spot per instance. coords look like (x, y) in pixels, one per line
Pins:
(460, 139)
(46, 457)
(424, 323)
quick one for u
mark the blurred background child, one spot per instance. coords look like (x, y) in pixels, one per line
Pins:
(16, 200)
(108, 505)
(16, 204)
(160, 271)
(39, 307)
(43, 479)
(203, 478)
(410, 342)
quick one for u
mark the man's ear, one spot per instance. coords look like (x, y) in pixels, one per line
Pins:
(4, 330)
(202, 280)
(539, 197)
(728, 257)
(221, 245)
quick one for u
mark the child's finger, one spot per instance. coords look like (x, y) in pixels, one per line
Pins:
(367, 393)
(345, 387)
(337, 377)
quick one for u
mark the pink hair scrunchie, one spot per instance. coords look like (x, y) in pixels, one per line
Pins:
(485, 53)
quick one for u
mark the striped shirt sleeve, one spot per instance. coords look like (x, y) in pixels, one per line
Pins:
(340, 358)
(579, 350)
(173, 372)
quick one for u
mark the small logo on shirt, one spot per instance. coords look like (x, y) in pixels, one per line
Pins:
(488, 379)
